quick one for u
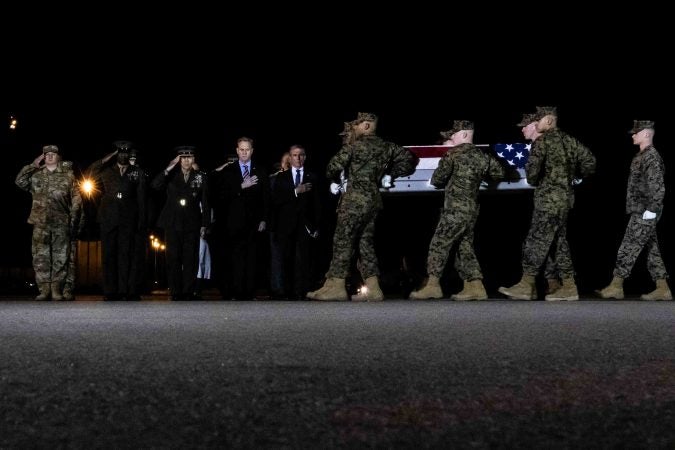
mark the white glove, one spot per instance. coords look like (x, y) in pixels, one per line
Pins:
(648, 215)
(576, 181)
(334, 188)
(386, 181)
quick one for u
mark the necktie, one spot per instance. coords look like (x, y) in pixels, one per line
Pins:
(186, 176)
(297, 177)
(246, 173)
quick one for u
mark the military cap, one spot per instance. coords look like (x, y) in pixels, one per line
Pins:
(639, 125)
(123, 146)
(527, 119)
(543, 111)
(347, 129)
(185, 150)
(458, 125)
(50, 149)
(365, 117)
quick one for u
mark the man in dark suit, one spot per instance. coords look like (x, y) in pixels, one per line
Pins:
(121, 215)
(296, 217)
(243, 201)
(185, 216)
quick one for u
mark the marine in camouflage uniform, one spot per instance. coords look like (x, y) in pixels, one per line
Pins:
(460, 172)
(644, 202)
(366, 160)
(552, 273)
(55, 216)
(555, 161)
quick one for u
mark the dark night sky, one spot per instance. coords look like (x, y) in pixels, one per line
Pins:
(207, 91)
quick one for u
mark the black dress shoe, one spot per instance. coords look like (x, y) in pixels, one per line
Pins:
(111, 298)
(133, 298)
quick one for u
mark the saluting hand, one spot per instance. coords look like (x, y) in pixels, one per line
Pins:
(172, 164)
(107, 157)
(39, 160)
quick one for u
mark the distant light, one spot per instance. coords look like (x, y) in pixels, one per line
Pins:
(163, 247)
(155, 244)
(152, 237)
(87, 186)
(12, 123)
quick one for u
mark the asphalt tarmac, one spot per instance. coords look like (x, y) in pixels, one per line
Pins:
(262, 374)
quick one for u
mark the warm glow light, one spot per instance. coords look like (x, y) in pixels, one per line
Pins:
(152, 237)
(363, 290)
(155, 244)
(163, 247)
(12, 123)
(87, 186)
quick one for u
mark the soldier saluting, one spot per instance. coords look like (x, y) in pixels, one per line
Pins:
(184, 218)
(121, 214)
(55, 216)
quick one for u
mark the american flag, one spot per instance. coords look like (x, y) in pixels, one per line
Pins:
(514, 154)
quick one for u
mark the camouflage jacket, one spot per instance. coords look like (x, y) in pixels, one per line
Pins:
(646, 186)
(56, 195)
(367, 160)
(461, 171)
(555, 161)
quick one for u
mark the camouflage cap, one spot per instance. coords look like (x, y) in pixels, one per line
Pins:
(458, 125)
(365, 117)
(639, 125)
(543, 111)
(347, 129)
(50, 149)
(527, 119)
(186, 150)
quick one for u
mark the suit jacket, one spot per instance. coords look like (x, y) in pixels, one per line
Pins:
(241, 209)
(124, 197)
(291, 211)
(187, 204)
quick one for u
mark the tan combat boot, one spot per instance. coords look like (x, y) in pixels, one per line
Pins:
(552, 285)
(662, 292)
(332, 290)
(45, 292)
(371, 292)
(68, 293)
(613, 290)
(568, 292)
(473, 290)
(523, 290)
(430, 290)
(56, 292)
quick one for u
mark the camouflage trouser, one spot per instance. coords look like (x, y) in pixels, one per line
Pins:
(51, 251)
(640, 234)
(453, 227)
(72, 267)
(552, 271)
(547, 236)
(355, 223)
